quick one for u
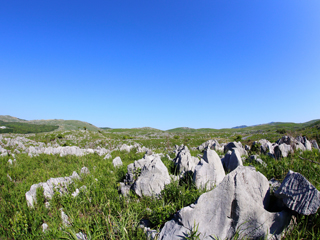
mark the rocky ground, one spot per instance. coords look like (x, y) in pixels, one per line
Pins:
(214, 190)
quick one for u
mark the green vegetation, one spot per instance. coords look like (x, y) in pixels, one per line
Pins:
(19, 127)
(100, 212)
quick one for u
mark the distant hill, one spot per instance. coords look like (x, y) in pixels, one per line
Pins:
(242, 126)
(62, 124)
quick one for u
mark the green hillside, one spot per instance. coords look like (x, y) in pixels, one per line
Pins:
(62, 124)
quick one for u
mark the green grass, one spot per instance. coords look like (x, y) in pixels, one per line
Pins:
(100, 212)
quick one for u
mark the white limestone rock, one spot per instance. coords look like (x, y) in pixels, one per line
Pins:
(117, 162)
(237, 204)
(209, 172)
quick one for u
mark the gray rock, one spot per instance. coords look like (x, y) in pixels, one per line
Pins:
(126, 148)
(274, 184)
(49, 188)
(256, 159)
(44, 227)
(307, 144)
(84, 171)
(64, 218)
(232, 161)
(298, 194)
(124, 189)
(117, 162)
(10, 161)
(212, 143)
(247, 147)
(285, 139)
(107, 156)
(77, 191)
(209, 172)
(238, 204)
(282, 150)
(184, 161)
(154, 176)
(231, 145)
(314, 144)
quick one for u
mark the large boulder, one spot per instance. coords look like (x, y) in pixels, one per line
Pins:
(184, 161)
(154, 176)
(298, 194)
(146, 177)
(237, 205)
(233, 160)
(282, 150)
(209, 172)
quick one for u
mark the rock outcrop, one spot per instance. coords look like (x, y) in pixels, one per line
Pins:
(237, 205)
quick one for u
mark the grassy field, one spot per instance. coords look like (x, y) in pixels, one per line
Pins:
(100, 212)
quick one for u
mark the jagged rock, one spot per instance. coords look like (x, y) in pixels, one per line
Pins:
(107, 156)
(238, 204)
(314, 144)
(233, 160)
(10, 161)
(285, 139)
(184, 161)
(154, 176)
(169, 158)
(237, 145)
(298, 194)
(282, 150)
(266, 146)
(117, 162)
(247, 147)
(44, 227)
(209, 172)
(212, 143)
(84, 171)
(307, 145)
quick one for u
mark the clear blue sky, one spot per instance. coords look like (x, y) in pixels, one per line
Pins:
(161, 63)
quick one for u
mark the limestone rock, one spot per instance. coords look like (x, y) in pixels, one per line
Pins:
(282, 150)
(209, 172)
(44, 227)
(84, 171)
(154, 176)
(237, 204)
(314, 144)
(184, 161)
(298, 194)
(212, 143)
(233, 160)
(117, 162)
(237, 145)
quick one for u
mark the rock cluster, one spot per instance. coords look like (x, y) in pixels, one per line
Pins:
(53, 185)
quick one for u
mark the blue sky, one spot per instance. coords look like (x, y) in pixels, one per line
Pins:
(161, 63)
